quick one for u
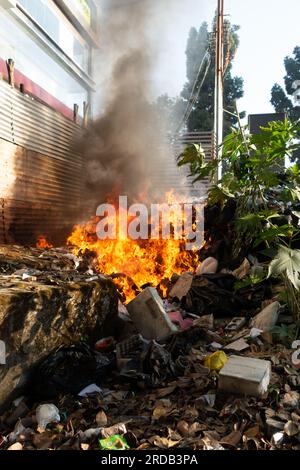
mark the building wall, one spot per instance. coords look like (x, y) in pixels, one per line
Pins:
(50, 43)
(40, 170)
(49, 48)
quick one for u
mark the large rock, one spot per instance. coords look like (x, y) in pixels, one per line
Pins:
(42, 312)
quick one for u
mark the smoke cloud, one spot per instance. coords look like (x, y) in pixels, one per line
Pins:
(125, 149)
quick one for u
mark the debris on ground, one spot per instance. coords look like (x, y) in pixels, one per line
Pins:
(46, 414)
(199, 369)
(59, 307)
(235, 324)
(70, 369)
(182, 286)
(148, 315)
(209, 266)
(245, 376)
(116, 442)
(216, 361)
(266, 320)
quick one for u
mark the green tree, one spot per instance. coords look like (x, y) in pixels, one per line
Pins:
(202, 113)
(169, 111)
(198, 92)
(284, 101)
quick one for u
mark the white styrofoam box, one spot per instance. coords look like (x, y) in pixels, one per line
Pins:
(245, 376)
(148, 314)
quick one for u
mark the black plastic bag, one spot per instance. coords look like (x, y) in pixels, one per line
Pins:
(70, 369)
(214, 293)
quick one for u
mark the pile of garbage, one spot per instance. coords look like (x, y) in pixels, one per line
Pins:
(203, 369)
(48, 299)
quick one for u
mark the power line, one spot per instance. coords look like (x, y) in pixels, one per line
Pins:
(198, 91)
(194, 96)
(219, 86)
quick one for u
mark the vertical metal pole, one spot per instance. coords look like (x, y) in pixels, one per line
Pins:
(219, 66)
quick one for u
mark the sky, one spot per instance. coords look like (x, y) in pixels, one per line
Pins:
(269, 32)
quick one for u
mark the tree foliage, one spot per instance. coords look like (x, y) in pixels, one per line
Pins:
(201, 117)
(202, 114)
(264, 191)
(284, 100)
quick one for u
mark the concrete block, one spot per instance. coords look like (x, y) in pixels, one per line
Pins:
(149, 317)
(245, 376)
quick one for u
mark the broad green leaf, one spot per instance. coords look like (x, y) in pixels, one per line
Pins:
(295, 193)
(287, 261)
(272, 233)
(219, 193)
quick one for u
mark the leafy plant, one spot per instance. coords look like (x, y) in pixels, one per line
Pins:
(284, 333)
(194, 157)
(274, 394)
(287, 261)
(248, 281)
(265, 190)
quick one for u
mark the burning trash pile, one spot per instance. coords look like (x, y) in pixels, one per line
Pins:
(184, 354)
(151, 257)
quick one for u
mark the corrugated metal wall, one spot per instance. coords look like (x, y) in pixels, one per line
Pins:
(168, 176)
(40, 181)
(207, 141)
(177, 178)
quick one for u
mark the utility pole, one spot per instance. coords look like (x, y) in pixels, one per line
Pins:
(219, 92)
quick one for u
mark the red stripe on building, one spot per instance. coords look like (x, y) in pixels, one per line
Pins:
(36, 91)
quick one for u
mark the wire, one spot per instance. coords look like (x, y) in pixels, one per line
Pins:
(199, 89)
(194, 97)
(191, 98)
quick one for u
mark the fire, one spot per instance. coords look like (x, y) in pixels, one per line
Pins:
(42, 242)
(138, 262)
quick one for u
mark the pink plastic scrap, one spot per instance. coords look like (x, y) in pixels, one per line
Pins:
(176, 318)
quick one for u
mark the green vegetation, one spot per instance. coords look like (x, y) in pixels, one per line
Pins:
(267, 195)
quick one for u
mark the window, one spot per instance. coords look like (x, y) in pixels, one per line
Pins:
(31, 59)
(42, 14)
(85, 12)
(59, 29)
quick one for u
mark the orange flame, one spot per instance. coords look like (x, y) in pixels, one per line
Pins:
(139, 261)
(42, 242)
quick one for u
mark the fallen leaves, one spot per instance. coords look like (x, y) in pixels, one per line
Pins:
(160, 412)
(186, 412)
(163, 442)
(101, 419)
(183, 428)
(291, 400)
(16, 446)
(290, 428)
(118, 428)
(252, 432)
